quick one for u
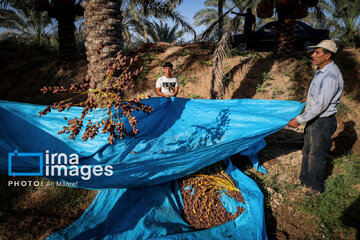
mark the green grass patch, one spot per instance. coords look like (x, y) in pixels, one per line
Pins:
(265, 82)
(260, 88)
(246, 54)
(287, 73)
(266, 76)
(194, 96)
(342, 109)
(338, 209)
(251, 55)
(184, 79)
(227, 79)
(276, 92)
(351, 96)
(148, 58)
(186, 52)
(192, 54)
(231, 85)
(206, 63)
(232, 52)
(157, 75)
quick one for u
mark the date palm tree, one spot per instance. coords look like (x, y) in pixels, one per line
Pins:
(347, 12)
(221, 20)
(163, 32)
(217, 89)
(288, 11)
(104, 23)
(27, 23)
(65, 12)
(209, 15)
(136, 23)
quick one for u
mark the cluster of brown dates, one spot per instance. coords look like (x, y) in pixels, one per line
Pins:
(109, 97)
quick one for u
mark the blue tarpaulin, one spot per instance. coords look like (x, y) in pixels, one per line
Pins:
(155, 213)
(180, 137)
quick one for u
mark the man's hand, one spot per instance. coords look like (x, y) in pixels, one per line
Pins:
(293, 123)
(304, 100)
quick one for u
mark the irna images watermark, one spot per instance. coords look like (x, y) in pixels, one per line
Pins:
(53, 165)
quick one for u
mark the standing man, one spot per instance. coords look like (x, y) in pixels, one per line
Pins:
(167, 86)
(319, 115)
(250, 22)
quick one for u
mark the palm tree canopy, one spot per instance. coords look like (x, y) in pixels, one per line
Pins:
(209, 15)
(137, 12)
(22, 17)
(163, 33)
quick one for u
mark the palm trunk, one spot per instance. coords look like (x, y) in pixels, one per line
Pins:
(102, 24)
(286, 32)
(67, 45)
(220, 13)
(65, 12)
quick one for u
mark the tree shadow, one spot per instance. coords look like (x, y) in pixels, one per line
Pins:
(211, 134)
(13, 192)
(195, 53)
(282, 142)
(351, 217)
(253, 77)
(301, 78)
(345, 140)
(347, 62)
(343, 144)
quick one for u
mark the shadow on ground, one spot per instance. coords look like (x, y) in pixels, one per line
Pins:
(351, 217)
(347, 62)
(280, 143)
(254, 77)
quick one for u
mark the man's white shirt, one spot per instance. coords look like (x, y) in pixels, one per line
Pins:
(167, 85)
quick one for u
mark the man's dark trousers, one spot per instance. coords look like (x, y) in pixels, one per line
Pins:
(317, 143)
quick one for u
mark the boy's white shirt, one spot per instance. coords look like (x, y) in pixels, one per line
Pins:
(167, 85)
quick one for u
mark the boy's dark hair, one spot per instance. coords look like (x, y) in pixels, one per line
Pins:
(168, 64)
(333, 55)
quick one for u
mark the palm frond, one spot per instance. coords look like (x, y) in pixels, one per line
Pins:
(142, 9)
(210, 29)
(217, 89)
(179, 19)
(205, 17)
